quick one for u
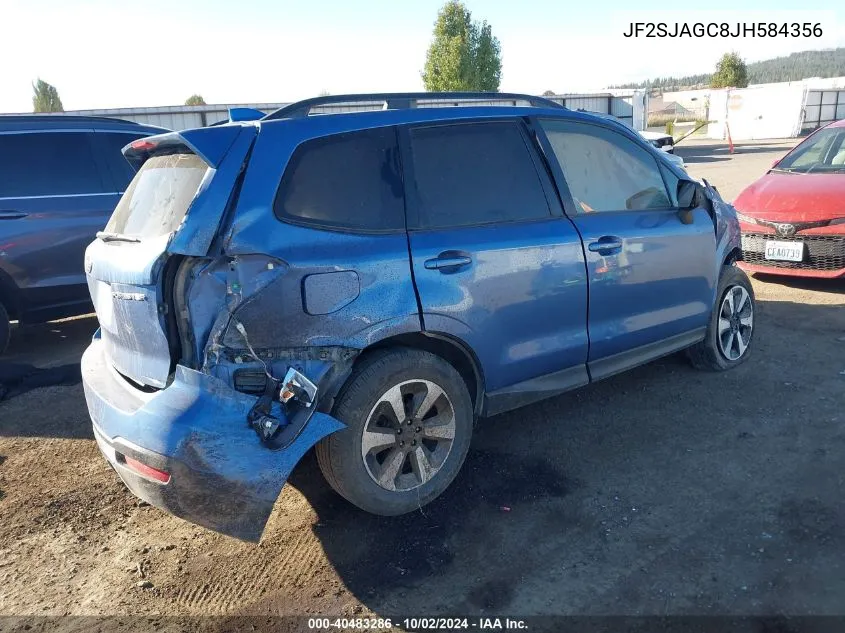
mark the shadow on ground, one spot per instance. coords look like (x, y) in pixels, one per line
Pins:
(607, 488)
(44, 355)
(830, 286)
(659, 491)
(377, 554)
(18, 378)
(50, 344)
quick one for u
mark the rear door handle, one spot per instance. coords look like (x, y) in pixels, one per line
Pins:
(607, 245)
(448, 262)
(12, 215)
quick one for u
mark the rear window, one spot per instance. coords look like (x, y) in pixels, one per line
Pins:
(346, 181)
(158, 197)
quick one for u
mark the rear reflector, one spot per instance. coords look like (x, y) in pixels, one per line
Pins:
(146, 471)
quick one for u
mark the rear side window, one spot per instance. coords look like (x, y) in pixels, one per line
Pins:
(48, 164)
(112, 144)
(476, 173)
(605, 170)
(346, 181)
(158, 197)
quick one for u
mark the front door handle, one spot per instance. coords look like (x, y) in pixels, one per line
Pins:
(448, 262)
(607, 245)
(12, 215)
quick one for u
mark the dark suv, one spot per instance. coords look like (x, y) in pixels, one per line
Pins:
(374, 282)
(60, 179)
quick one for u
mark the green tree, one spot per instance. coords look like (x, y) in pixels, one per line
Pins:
(463, 55)
(195, 100)
(45, 98)
(795, 67)
(549, 93)
(731, 72)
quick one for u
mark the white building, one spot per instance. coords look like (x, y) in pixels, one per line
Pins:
(773, 110)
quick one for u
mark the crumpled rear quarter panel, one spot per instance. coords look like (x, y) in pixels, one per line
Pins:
(222, 476)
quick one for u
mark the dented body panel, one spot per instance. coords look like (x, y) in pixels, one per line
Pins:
(222, 476)
(202, 327)
(294, 294)
(356, 285)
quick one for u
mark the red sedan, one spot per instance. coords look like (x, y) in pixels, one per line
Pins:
(793, 217)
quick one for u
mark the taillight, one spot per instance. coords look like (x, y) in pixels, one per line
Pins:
(142, 145)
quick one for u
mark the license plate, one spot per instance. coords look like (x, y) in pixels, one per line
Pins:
(785, 251)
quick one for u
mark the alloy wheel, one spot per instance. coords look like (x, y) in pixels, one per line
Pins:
(408, 435)
(736, 322)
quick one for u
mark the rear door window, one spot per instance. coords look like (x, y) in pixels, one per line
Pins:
(475, 173)
(157, 199)
(348, 181)
(48, 164)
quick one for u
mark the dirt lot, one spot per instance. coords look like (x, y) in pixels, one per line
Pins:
(660, 491)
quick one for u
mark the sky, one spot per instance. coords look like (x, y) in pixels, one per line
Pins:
(118, 53)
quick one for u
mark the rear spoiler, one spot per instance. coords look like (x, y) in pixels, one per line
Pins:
(210, 144)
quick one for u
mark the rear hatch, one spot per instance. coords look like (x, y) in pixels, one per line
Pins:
(172, 208)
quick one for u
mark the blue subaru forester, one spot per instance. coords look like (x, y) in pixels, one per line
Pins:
(374, 282)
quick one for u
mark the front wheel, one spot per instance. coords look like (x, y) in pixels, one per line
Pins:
(730, 331)
(409, 420)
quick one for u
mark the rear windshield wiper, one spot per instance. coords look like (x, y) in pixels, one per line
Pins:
(116, 237)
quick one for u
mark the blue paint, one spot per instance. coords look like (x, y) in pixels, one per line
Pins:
(659, 283)
(520, 306)
(245, 114)
(533, 302)
(324, 293)
(227, 157)
(196, 430)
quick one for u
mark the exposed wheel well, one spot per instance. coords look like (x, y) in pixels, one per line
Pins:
(447, 348)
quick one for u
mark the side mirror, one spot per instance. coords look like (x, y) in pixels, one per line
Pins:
(687, 190)
(775, 164)
(687, 199)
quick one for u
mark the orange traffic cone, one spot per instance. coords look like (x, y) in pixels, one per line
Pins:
(730, 141)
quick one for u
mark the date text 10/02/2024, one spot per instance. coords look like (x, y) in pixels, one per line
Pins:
(418, 624)
(723, 29)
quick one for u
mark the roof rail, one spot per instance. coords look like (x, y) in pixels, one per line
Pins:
(404, 101)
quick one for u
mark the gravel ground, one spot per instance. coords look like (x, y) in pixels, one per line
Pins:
(660, 491)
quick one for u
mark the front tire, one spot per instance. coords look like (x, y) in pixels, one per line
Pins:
(409, 420)
(730, 330)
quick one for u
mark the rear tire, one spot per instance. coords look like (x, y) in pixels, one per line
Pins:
(730, 330)
(409, 421)
(5, 329)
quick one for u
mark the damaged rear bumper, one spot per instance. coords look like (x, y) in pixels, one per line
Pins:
(220, 474)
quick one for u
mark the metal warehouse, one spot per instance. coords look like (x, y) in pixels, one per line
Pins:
(629, 106)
